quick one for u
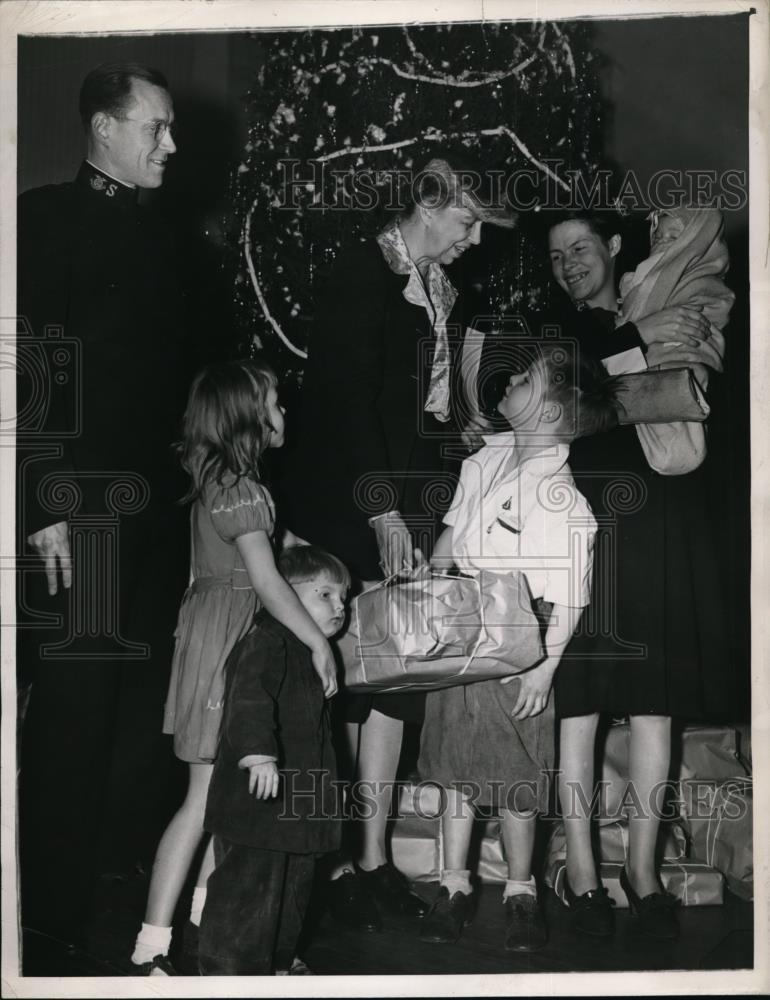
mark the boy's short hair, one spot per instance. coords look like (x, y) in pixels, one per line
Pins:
(583, 390)
(301, 563)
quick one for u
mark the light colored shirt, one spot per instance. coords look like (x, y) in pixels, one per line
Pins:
(436, 295)
(532, 519)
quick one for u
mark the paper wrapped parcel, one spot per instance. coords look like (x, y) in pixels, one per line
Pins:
(438, 631)
(660, 396)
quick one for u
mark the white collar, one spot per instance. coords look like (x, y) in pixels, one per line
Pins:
(549, 460)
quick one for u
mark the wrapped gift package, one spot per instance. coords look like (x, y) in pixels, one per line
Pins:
(423, 799)
(744, 745)
(439, 631)
(660, 396)
(692, 882)
(704, 752)
(417, 849)
(613, 843)
(491, 866)
(718, 820)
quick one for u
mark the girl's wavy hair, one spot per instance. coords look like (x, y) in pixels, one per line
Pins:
(226, 427)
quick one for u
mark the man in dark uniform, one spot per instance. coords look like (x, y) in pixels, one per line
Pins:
(101, 381)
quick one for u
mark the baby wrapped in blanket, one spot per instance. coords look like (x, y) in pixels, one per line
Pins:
(688, 260)
(686, 266)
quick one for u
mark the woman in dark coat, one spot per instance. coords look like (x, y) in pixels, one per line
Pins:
(652, 645)
(368, 480)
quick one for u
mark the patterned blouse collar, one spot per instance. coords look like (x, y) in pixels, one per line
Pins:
(442, 291)
(436, 295)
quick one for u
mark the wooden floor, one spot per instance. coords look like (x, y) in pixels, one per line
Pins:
(713, 937)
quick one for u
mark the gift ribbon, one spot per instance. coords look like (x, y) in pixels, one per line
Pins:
(729, 791)
(443, 576)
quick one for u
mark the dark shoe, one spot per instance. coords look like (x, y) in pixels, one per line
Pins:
(351, 904)
(525, 928)
(445, 920)
(655, 912)
(592, 911)
(392, 890)
(159, 966)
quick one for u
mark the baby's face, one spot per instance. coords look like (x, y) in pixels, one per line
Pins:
(667, 230)
(324, 601)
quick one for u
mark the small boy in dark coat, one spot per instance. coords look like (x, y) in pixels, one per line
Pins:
(272, 805)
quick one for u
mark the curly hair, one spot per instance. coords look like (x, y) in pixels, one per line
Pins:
(226, 426)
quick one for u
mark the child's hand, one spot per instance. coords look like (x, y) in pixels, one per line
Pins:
(420, 566)
(534, 691)
(326, 668)
(263, 778)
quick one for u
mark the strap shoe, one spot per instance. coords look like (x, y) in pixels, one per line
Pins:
(592, 912)
(655, 913)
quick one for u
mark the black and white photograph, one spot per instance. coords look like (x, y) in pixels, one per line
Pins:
(383, 487)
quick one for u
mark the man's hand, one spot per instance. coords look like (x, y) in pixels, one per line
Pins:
(534, 691)
(263, 777)
(394, 543)
(677, 324)
(472, 435)
(326, 668)
(53, 543)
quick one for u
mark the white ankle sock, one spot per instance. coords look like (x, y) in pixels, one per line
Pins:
(151, 941)
(456, 880)
(514, 887)
(198, 902)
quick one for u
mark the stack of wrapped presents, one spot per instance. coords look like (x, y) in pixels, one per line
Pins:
(706, 837)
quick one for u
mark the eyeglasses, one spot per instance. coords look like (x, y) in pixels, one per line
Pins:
(156, 127)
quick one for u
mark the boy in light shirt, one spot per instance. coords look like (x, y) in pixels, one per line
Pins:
(492, 743)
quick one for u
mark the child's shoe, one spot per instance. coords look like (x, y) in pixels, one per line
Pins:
(158, 966)
(445, 920)
(525, 928)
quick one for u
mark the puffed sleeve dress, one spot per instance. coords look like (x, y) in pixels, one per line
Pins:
(216, 612)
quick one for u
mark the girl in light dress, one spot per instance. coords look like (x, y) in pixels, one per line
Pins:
(232, 417)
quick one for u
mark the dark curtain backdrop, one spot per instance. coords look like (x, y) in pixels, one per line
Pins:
(676, 93)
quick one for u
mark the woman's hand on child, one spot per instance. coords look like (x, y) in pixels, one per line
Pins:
(326, 668)
(263, 778)
(534, 691)
(680, 324)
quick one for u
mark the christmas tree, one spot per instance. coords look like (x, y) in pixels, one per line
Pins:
(336, 115)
